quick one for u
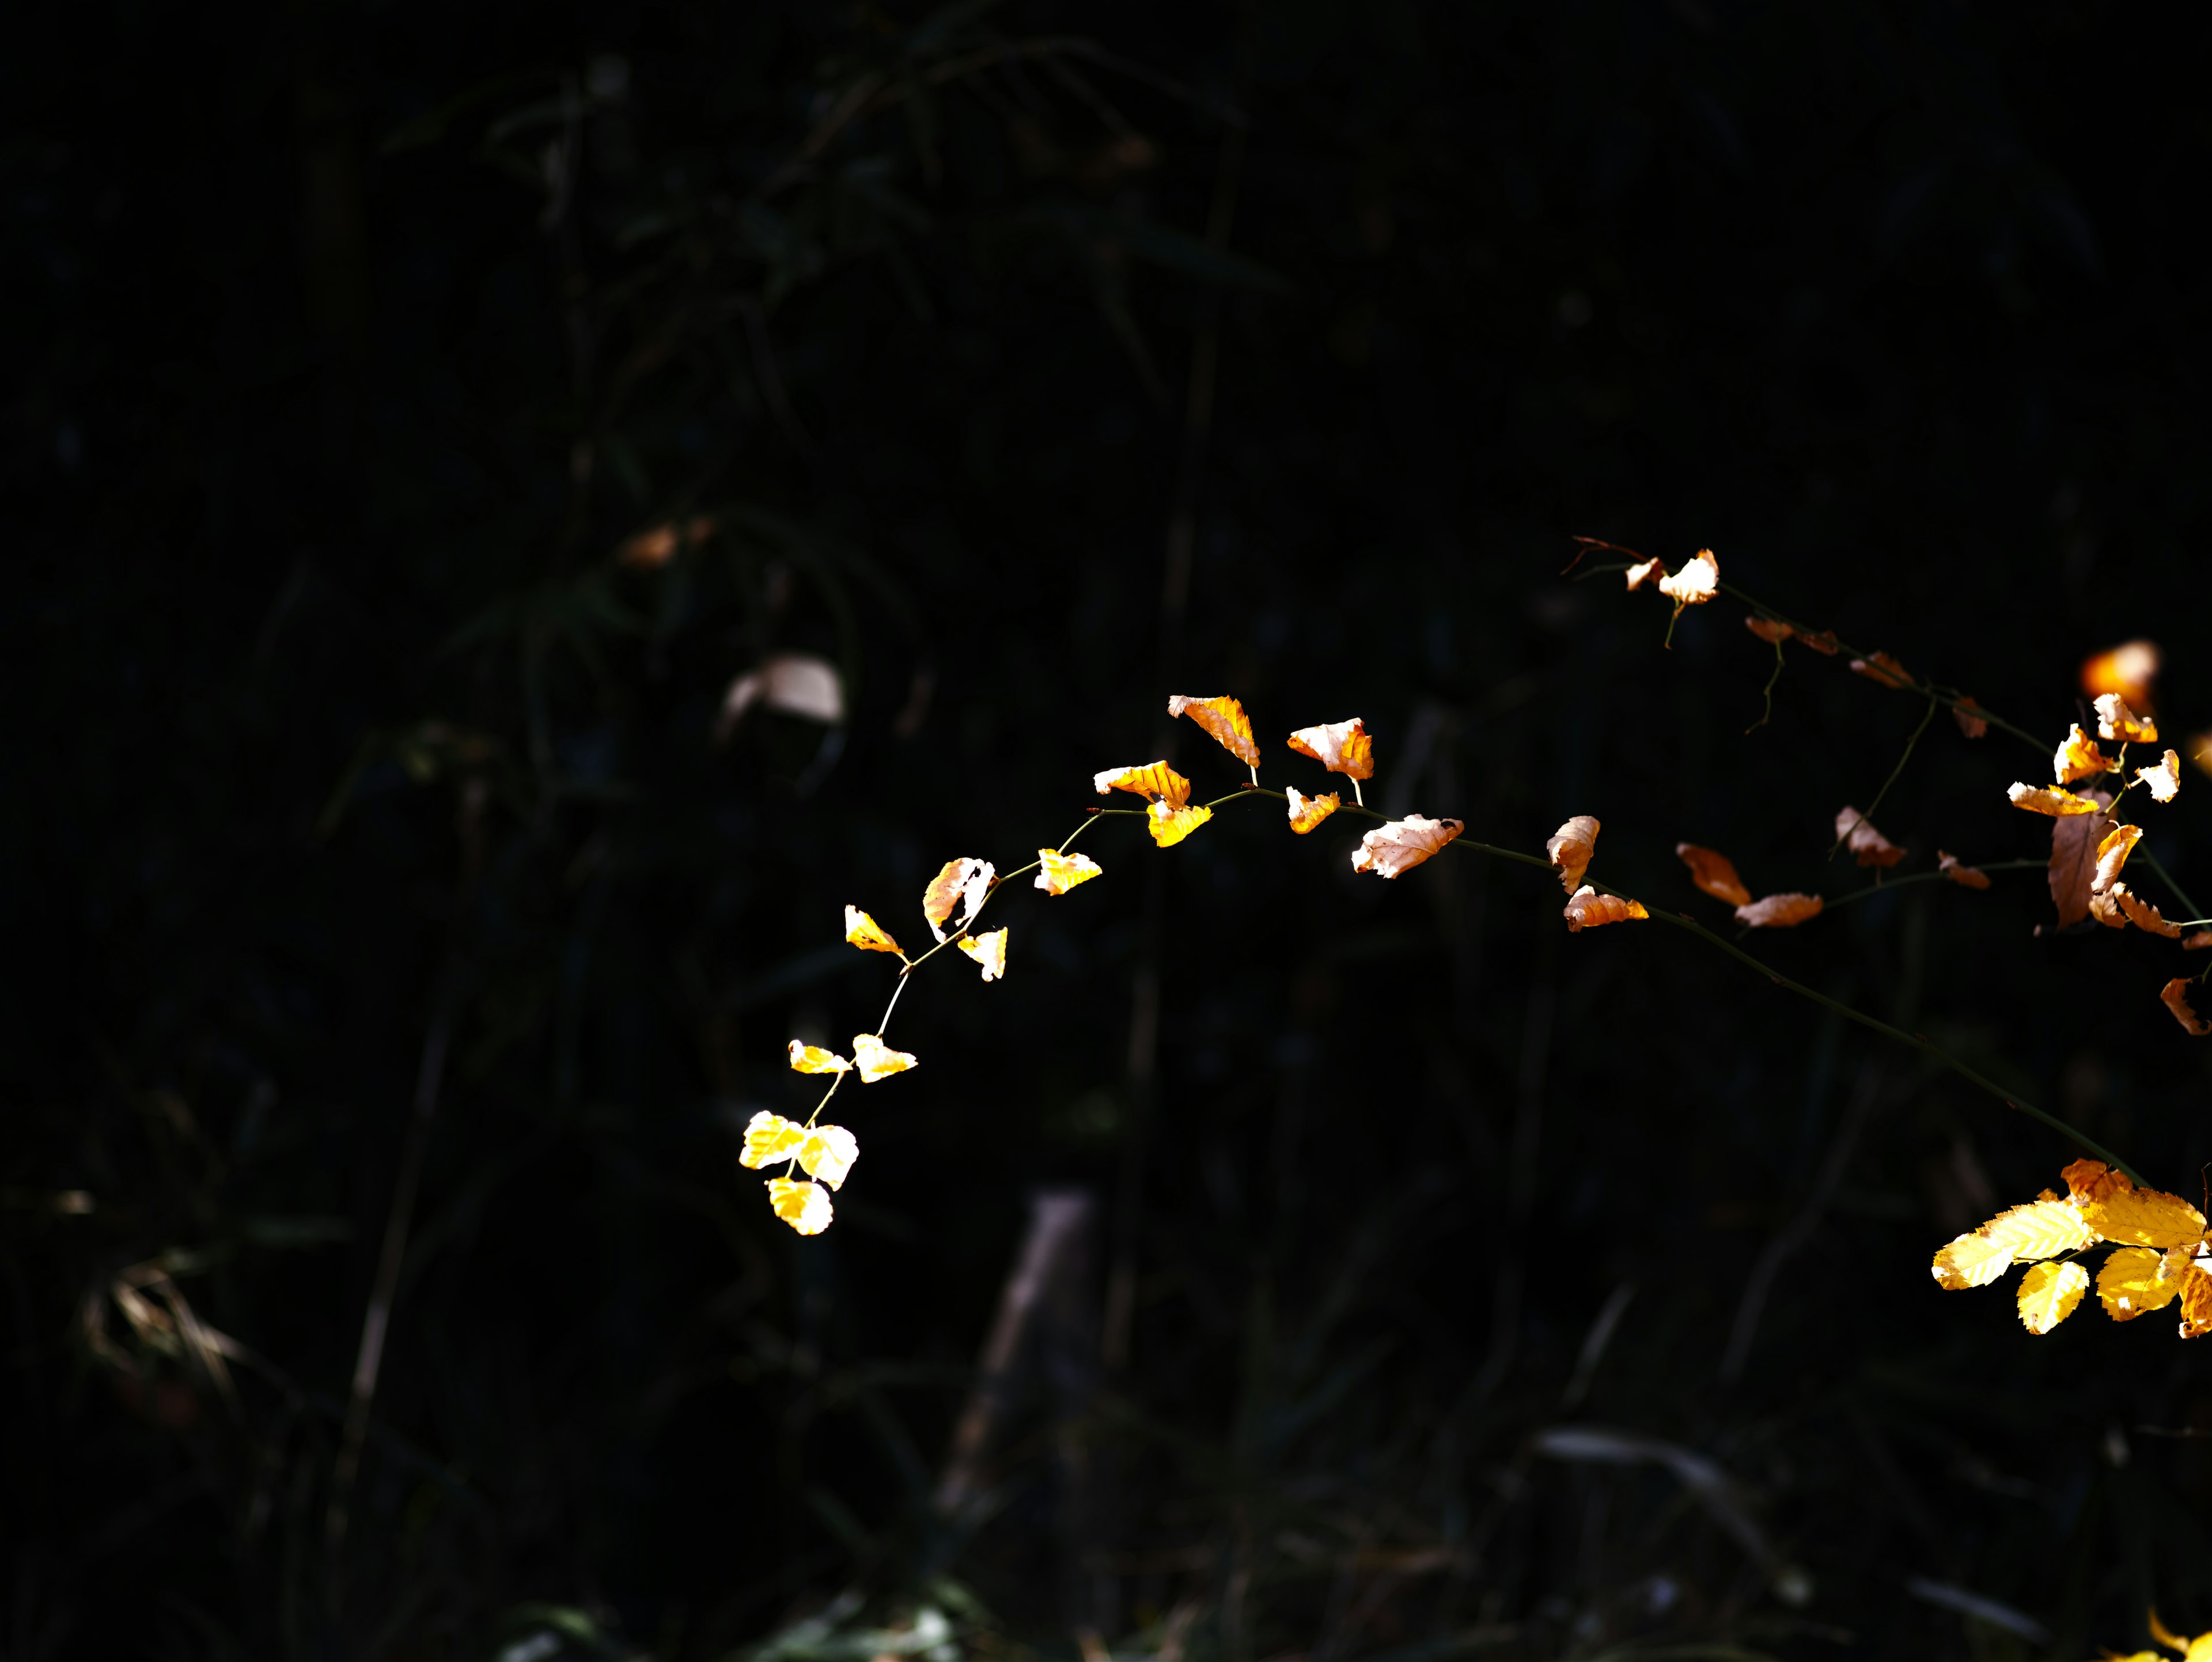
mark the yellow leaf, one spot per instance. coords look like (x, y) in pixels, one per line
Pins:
(2144, 916)
(2115, 721)
(1883, 671)
(2143, 1217)
(2198, 1649)
(864, 932)
(1713, 872)
(828, 1153)
(1586, 909)
(2133, 1283)
(1779, 911)
(1645, 572)
(769, 1138)
(2175, 996)
(1965, 876)
(1307, 811)
(2049, 1293)
(813, 1059)
(2113, 853)
(1570, 849)
(875, 1059)
(1058, 872)
(1340, 746)
(2079, 758)
(961, 886)
(2040, 1229)
(989, 951)
(1972, 1260)
(2164, 780)
(1399, 845)
(1225, 720)
(804, 1206)
(1169, 823)
(1696, 582)
(2196, 1302)
(1773, 630)
(1869, 846)
(1156, 781)
(2043, 798)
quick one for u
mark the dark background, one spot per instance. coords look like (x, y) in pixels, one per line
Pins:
(348, 342)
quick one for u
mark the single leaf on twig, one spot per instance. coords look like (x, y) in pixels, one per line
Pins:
(1588, 910)
(1058, 872)
(877, 1060)
(804, 1206)
(1696, 582)
(1171, 822)
(1647, 571)
(2112, 852)
(959, 886)
(1714, 873)
(1957, 871)
(1571, 847)
(2175, 996)
(2049, 1293)
(2162, 781)
(989, 952)
(1867, 846)
(1225, 720)
(2115, 721)
(1403, 844)
(1883, 671)
(2143, 914)
(1307, 811)
(2079, 758)
(1779, 911)
(864, 932)
(813, 1059)
(2043, 798)
(1773, 630)
(2134, 1282)
(1340, 746)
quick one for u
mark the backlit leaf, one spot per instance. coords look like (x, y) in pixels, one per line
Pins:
(958, 887)
(1646, 571)
(2049, 1293)
(828, 1151)
(2078, 759)
(2162, 781)
(1169, 823)
(2133, 1283)
(2090, 1181)
(864, 932)
(1399, 846)
(875, 1059)
(2105, 908)
(1156, 781)
(1696, 582)
(2196, 1305)
(1779, 911)
(1307, 811)
(2074, 840)
(1571, 847)
(813, 1059)
(2040, 1229)
(1883, 671)
(2143, 914)
(1867, 846)
(2115, 720)
(1965, 876)
(989, 952)
(804, 1206)
(1586, 909)
(2143, 1217)
(2175, 996)
(2043, 798)
(1058, 872)
(1340, 746)
(769, 1138)
(1972, 1260)
(2113, 853)
(1714, 873)
(1225, 720)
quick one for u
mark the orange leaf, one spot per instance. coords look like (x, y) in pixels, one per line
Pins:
(1058, 872)
(1569, 849)
(1968, 714)
(2143, 914)
(1640, 574)
(2128, 669)
(864, 932)
(2175, 996)
(1225, 720)
(2089, 1182)
(989, 951)
(1779, 911)
(1883, 670)
(1869, 846)
(2074, 843)
(1340, 746)
(2164, 780)
(1965, 876)
(1713, 874)
(2198, 941)
(1156, 781)
(1307, 811)
(2196, 1308)
(813, 1059)
(1824, 642)
(1169, 823)
(1696, 582)
(961, 886)
(2113, 853)
(2043, 798)
(1586, 909)
(804, 1206)
(1773, 630)
(2105, 908)
(2079, 758)
(1391, 850)
(877, 1060)
(2115, 721)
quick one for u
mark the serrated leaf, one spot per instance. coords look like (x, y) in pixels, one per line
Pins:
(2133, 1283)
(2041, 1229)
(2049, 1293)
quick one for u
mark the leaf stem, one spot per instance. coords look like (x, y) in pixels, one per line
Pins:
(1896, 883)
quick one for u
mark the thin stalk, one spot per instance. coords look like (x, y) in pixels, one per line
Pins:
(1927, 716)
(1897, 883)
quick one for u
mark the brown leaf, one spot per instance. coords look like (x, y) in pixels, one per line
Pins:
(1969, 716)
(1965, 876)
(1869, 846)
(2074, 842)
(1778, 911)
(2175, 996)
(1883, 671)
(1773, 630)
(1714, 873)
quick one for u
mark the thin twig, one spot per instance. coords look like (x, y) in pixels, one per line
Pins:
(1926, 716)
(1897, 883)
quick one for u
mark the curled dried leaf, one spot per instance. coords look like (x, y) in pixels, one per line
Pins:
(2113, 853)
(804, 1206)
(1058, 872)
(2134, 1282)
(864, 932)
(1957, 871)
(2049, 1293)
(1867, 846)
(1970, 717)
(1647, 572)
(1570, 849)
(769, 1138)
(2043, 798)
(1773, 630)
(1779, 911)
(1883, 671)
(1169, 823)
(1395, 848)
(1307, 811)
(1714, 873)
(1156, 781)
(2115, 720)
(1586, 909)
(2175, 996)
(960, 886)
(989, 952)
(1225, 720)
(875, 1060)
(1340, 746)
(2143, 914)
(1696, 582)
(2164, 781)
(2106, 908)
(2079, 758)
(813, 1059)
(2128, 669)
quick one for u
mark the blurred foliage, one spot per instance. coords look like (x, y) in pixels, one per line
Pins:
(370, 836)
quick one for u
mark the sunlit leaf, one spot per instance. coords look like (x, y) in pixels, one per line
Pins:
(2105, 908)
(864, 932)
(828, 1151)
(2134, 1282)
(1646, 571)
(1714, 873)
(813, 1059)
(2079, 758)
(1401, 844)
(989, 952)
(2115, 720)
(1307, 811)
(1156, 781)
(2040, 1229)
(2162, 781)
(2043, 798)
(804, 1206)
(875, 1059)
(1965, 876)
(1225, 720)
(1696, 582)
(2128, 669)
(1059, 873)
(2049, 1293)
(2195, 1311)
(1972, 1260)
(1340, 746)
(1570, 849)
(1883, 671)
(2113, 853)
(1586, 909)
(1869, 846)
(1779, 911)
(2118, 1211)
(2143, 914)
(959, 887)
(769, 1138)
(1169, 823)
(2175, 996)
(2072, 873)
(1971, 718)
